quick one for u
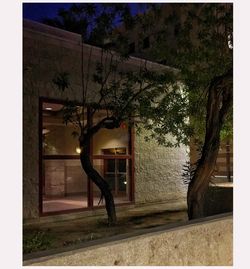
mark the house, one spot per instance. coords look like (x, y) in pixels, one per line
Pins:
(54, 183)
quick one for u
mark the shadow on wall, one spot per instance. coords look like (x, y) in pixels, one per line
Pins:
(219, 199)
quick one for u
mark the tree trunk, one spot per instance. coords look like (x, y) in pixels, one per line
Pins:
(102, 185)
(220, 97)
(84, 140)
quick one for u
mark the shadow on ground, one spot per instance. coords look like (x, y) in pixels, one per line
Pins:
(67, 233)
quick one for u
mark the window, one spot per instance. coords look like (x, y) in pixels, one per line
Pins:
(64, 183)
(57, 137)
(112, 158)
(115, 173)
(64, 186)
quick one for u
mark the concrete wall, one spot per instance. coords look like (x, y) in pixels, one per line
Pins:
(47, 51)
(207, 242)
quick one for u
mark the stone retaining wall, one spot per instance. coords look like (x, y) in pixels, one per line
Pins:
(203, 242)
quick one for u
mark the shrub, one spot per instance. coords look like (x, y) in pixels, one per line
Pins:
(36, 241)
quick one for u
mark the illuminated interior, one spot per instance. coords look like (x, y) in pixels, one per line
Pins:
(64, 183)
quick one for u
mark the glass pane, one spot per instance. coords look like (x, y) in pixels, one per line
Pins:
(121, 165)
(57, 136)
(97, 201)
(119, 181)
(114, 151)
(110, 178)
(65, 185)
(111, 151)
(99, 166)
(121, 151)
(109, 166)
(122, 182)
(110, 141)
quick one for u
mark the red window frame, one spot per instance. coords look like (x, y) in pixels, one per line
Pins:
(90, 206)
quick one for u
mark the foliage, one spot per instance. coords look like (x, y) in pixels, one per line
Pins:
(97, 23)
(155, 96)
(61, 80)
(188, 172)
(121, 94)
(203, 51)
(166, 101)
(36, 241)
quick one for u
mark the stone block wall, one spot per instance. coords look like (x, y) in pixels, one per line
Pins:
(204, 243)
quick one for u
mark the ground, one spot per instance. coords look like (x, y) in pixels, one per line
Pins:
(66, 233)
(219, 199)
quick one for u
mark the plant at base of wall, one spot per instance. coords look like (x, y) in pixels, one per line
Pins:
(36, 241)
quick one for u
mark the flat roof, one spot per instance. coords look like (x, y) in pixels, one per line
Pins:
(57, 33)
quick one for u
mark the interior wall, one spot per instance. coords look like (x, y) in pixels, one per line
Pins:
(60, 141)
(64, 177)
(105, 138)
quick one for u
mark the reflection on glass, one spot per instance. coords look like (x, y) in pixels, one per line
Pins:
(114, 151)
(57, 136)
(121, 165)
(65, 185)
(110, 141)
(116, 173)
(98, 200)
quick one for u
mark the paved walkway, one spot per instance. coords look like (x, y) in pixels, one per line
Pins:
(83, 229)
(123, 212)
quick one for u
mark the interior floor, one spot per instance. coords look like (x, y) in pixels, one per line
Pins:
(74, 202)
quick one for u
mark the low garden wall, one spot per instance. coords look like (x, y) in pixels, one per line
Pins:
(202, 242)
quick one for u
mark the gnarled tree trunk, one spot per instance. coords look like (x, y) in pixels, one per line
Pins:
(84, 140)
(220, 97)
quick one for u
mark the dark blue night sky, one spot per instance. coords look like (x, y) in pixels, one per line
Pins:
(38, 11)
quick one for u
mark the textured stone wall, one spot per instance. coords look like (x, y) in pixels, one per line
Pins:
(30, 156)
(206, 243)
(158, 172)
(43, 57)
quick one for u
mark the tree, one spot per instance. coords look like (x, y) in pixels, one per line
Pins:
(195, 101)
(122, 94)
(202, 52)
